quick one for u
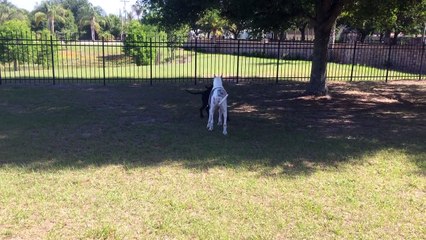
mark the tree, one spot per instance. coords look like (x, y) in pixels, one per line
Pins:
(74, 6)
(363, 16)
(50, 11)
(13, 46)
(211, 22)
(325, 15)
(92, 16)
(136, 43)
(388, 16)
(174, 13)
(111, 26)
(301, 23)
(8, 11)
(238, 20)
(43, 50)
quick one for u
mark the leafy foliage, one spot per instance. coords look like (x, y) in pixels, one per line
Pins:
(43, 49)
(17, 46)
(211, 21)
(388, 16)
(137, 43)
(8, 11)
(12, 33)
(51, 12)
(91, 16)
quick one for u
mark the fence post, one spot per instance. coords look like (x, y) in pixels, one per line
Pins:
(150, 61)
(388, 61)
(1, 36)
(353, 61)
(421, 62)
(196, 50)
(278, 61)
(53, 60)
(103, 59)
(238, 59)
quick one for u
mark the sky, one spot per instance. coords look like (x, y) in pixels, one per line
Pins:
(110, 6)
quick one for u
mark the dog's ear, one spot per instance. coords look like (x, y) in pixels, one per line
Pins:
(221, 75)
(214, 75)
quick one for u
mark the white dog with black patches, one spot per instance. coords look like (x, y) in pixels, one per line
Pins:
(218, 100)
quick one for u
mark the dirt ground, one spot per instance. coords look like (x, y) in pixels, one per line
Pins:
(391, 111)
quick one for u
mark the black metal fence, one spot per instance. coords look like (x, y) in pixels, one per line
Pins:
(46, 60)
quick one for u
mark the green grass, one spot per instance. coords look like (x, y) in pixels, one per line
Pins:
(137, 162)
(86, 63)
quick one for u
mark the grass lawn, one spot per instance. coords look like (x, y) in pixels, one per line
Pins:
(136, 162)
(81, 63)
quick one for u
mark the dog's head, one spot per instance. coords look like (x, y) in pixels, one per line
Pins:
(217, 81)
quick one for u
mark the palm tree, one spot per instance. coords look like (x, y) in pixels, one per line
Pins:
(90, 15)
(51, 12)
(8, 11)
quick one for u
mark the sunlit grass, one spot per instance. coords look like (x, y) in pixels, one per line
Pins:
(76, 62)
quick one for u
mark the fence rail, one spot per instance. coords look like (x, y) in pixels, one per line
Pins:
(46, 60)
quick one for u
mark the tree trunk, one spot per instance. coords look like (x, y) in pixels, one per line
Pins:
(394, 40)
(302, 30)
(15, 65)
(317, 84)
(51, 22)
(363, 36)
(386, 37)
(92, 29)
(326, 14)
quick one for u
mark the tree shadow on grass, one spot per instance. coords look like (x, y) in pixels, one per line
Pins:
(274, 129)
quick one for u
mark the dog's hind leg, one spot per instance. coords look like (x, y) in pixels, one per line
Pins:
(225, 124)
(219, 119)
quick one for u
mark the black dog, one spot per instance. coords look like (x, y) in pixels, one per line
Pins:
(204, 98)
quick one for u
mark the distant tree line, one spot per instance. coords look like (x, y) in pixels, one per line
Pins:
(76, 18)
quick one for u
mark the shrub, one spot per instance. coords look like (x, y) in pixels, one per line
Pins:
(43, 48)
(137, 43)
(14, 46)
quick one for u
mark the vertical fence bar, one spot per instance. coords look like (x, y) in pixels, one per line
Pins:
(238, 58)
(421, 62)
(388, 62)
(53, 59)
(23, 46)
(103, 59)
(1, 56)
(195, 62)
(353, 62)
(278, 61)
(150, 61)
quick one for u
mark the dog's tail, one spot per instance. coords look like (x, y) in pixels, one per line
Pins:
(223, 99)
(193, 92)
